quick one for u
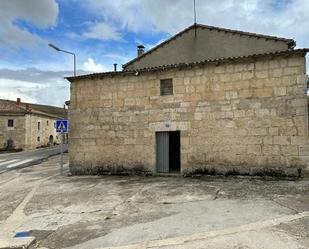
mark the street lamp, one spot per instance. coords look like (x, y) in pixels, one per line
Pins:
(60, 50)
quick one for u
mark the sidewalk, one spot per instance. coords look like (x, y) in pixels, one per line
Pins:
(152, 212)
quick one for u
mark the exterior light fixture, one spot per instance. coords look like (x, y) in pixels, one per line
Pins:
(64, 51)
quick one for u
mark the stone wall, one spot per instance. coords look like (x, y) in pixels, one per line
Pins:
(47, 129)
(25, 132)
(240, 118)
(16, 133)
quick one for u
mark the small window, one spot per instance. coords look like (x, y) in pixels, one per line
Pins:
(54, 124)
(10, 122)
(39, 125)
(47, 123)
(39, 139)
(166, 87)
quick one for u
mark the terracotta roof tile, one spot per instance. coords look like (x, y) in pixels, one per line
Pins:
(12, 107)
(186, 65)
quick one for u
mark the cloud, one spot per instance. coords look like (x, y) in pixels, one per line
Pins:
(50, 93)
(41, 14)
(102, 31)
(36, 86)
(287, 18)
(91, 66)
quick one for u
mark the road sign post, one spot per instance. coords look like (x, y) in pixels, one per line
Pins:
(61, 157)
(62, 128)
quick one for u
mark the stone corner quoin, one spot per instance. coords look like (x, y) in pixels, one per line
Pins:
(247, 117)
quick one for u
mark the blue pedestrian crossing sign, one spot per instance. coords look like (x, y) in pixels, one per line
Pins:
(62, 125)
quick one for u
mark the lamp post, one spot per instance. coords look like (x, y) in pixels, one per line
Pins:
(60, 50)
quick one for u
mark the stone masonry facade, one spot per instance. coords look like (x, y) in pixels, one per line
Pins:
(246, 117)
(16, 133)
(25, 133)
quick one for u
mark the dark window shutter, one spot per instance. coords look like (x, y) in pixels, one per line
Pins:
(166, 87)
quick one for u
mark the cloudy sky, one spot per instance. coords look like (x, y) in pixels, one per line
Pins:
(105, 32)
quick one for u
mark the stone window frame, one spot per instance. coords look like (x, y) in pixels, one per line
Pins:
(11, 123)
(38, 139)
(166, 87)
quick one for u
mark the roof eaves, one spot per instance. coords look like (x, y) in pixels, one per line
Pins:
(185, 65)
(222, 60)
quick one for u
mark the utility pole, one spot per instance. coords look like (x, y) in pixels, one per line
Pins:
(194, 9)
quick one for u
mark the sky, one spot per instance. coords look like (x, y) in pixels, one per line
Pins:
(104, 32)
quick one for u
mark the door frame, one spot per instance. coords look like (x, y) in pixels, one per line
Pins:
(156, 152)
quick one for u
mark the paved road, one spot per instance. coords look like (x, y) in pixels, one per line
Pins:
(9, 161)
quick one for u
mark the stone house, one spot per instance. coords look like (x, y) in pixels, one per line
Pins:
(207, 100)
(28, 126)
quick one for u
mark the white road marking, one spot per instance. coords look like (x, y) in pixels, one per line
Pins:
(18, 163)
(7, 162)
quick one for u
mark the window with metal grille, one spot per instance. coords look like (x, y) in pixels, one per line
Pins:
(10, 122)
(166, 87)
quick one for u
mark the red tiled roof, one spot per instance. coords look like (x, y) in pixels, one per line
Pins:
(186, 65)
(291, 42)
(8, 106)
(12, 107)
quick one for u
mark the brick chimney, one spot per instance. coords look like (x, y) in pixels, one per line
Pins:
(140, 50)
(18, 101)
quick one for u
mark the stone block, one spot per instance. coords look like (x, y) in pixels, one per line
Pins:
(282, 140)
(271, 150)
(289, 150)
(299, 140)
(254, 149)
(304, 150)
(247, 75)
(263, 92)
(295, 61)
(280, 91)
(231, 95)
(291, 71)
(261, 74)
(219, 69)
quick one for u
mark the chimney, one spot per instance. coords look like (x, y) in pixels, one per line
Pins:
(115, 67)
(140, 50)
(18, 101)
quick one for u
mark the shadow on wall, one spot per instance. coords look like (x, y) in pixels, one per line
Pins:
(9, 146)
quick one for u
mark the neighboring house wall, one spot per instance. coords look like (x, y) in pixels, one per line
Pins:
(243, 116)
(208, 44)
(25, 132)
(47, 129)
(15, 133)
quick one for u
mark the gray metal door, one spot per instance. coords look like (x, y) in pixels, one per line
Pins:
(162, 144)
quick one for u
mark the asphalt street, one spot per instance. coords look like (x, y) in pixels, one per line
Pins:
(135, 212)
(9, 161)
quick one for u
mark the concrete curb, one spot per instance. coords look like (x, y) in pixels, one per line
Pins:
(17, 243)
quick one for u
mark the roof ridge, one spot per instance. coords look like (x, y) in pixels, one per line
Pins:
(245, 32)
(210, 28)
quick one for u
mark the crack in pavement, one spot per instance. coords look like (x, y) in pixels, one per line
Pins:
(211, 234)
(18, 216)
(285, 206)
